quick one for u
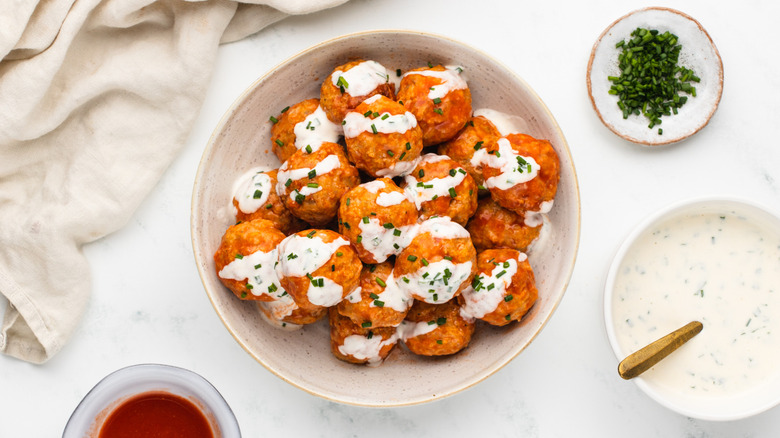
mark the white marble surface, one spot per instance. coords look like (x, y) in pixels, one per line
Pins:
(148, 304)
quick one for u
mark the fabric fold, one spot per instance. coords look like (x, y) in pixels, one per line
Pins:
(96, 99)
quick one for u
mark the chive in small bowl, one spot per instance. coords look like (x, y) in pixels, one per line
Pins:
(697, 53)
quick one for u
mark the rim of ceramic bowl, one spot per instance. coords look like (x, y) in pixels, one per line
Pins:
(198, 245)
(669, 211)
(613, 126)
(128, 381)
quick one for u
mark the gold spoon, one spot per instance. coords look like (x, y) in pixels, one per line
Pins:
(640, 361)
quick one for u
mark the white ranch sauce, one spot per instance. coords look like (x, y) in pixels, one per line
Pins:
(386, 123)
(383, 242)
(284, 175)
(259, 269)
(424, 191)
(300, 256)
(315, 129)
(251, 190)
(505, 123)
(719, 269)
(491, 289)
(514, 168)
(450, 77)
(362, 78)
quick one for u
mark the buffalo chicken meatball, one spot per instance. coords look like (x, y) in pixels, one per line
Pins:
(360, 344)
(256, 198)
(302, 126)
(503, 289)
(352, 83)
(436, 329)
(440, 187)
(439, 262)
(522, 173)
(477, 133)
(310, 184)
(246, 260)
(493, 226)
(439, 98)
(382, 138)
(318, 268)
(377, 301)
(378, 219)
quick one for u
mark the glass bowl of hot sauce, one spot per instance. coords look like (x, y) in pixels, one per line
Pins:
(153, 400)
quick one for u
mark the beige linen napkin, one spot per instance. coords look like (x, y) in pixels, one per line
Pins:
(96, 98)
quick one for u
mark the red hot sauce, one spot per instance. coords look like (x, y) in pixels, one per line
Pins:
(156, 414)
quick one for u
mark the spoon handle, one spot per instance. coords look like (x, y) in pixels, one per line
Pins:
(644, 358)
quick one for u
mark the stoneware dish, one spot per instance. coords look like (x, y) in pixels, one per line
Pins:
(117, 387)
(303, 358)
(698, 53)
(713, 260)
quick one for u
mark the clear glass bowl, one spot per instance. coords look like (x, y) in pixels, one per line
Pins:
(92, 411)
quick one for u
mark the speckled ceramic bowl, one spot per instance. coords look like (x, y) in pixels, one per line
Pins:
(303, 357)
(698, 53)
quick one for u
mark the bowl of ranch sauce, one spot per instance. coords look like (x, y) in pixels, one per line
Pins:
(712, 260)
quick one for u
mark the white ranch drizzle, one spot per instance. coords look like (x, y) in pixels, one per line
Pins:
(361, 79)
(300, 256)
(438, 281)
(251, 190)
(505, 123)
(259, 269)
(388, 199)
(409, 329)
(374, 186)
(514, 168)
(273, 312)
(487, 291)
(720, 269)
(386, 123)
(450, 77)
(284, 177)
(424, 191)
(399, 168)
(366, 348)
(315, 129)
(304, 191)
(355, 296)
(536, 218)
(393, 296)
(382, 242)
(443, 227)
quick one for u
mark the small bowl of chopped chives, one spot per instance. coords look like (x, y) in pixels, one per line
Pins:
(655, 77)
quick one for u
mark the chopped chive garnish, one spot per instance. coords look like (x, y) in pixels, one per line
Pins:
(379, 303)
(385, 116)
(390, 153)
(437, 101)
(508, 298)
(365, 219)
(359, 238)
(373, 129)
(308, 149)
(424, 262)
(339, 254)
(239, 256)
(366, 324)
(288, 182)
(452, 172)
(273, 119)
(269, 206)
(388, 225)
(411, 258)
(312, 173)
(380, 282)
(312, 185)
(299, 198)
(408, 146)
(279, 142)
(438, 111)
(258, 194)
(396, 232)
(421, 173)
(452, 192)
(311, 234)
